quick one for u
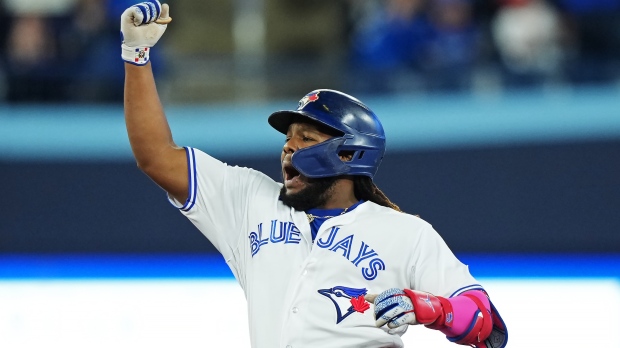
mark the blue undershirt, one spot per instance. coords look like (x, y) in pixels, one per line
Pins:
(321, 216)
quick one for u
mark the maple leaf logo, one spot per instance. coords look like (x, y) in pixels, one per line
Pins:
(359, 304)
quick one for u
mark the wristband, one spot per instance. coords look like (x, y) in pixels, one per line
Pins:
(135, 55)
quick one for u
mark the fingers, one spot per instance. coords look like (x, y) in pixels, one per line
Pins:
(394, 308)
(402, 319)
(370, 298)
(165, 11)
(164, 18)
(148, 11)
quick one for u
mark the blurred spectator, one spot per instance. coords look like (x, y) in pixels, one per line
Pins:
(387, 43)
(32, 62)
(68, 50)
(529, 37)
(417, 44)
(92, 45)
(33, 66)
(63, 50)
(453, 47)
(596, 24)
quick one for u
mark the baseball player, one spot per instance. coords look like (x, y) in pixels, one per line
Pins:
(324, 258)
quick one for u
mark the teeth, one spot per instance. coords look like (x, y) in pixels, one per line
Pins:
(289, 172)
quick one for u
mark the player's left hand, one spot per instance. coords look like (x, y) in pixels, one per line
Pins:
(396, 307)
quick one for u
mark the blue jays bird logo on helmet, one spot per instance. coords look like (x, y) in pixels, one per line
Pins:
(308, 98)
(346, 300)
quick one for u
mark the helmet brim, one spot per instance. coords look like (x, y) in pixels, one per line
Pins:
(281, 120)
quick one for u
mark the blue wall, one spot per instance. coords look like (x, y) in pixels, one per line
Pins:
(520, 173)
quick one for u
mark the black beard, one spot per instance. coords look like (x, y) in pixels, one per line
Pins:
(315, 194)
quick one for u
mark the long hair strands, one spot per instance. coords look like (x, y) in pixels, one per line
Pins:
(365, 189)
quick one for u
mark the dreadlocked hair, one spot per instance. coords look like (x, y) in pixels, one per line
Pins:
(365, 189)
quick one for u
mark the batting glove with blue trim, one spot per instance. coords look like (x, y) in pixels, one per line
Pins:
(142, 25)
(396, 307)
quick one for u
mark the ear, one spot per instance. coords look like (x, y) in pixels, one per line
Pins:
(346, 156)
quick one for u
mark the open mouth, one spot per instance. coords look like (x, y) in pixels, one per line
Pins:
(290, 173)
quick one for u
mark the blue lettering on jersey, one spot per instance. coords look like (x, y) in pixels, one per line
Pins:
(273, 238)
(363, 254)
(375, 265)
(293, 235)
(256, 240)
(280, 232)
(345, 245)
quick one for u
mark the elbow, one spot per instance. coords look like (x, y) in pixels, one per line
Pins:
(145, 166)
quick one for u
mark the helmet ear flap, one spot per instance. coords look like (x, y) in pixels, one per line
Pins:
(335, 157)
(320, 160)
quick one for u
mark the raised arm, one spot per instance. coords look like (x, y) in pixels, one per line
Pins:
(149, 133)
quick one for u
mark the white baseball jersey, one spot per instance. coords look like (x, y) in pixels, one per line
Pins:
(302, 293)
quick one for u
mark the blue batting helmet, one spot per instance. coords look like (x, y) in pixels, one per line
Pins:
(361, 134)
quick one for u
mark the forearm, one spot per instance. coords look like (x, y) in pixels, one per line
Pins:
(465, 319)
(149, 133)
(464, 312)
(147, 127)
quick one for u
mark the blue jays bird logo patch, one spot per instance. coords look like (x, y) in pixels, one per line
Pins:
(346, 300)
(310, 97)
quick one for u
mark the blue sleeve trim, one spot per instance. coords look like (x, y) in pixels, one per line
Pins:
(467, 288)
(499, 334)
(191, 179)
(499, 327)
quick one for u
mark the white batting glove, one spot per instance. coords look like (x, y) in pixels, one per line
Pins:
(397, 307)
(139, 32)
(394, 308)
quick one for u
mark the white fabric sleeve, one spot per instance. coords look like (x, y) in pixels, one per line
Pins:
(437, 270)
(220, 196)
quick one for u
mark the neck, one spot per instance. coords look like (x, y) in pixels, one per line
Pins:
(342, 195)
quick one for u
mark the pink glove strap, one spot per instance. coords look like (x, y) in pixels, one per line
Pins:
(473, 321)
(463, 308)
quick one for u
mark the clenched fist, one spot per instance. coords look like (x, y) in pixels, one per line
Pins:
(142, 25)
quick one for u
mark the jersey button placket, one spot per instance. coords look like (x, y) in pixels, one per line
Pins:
(295, 321)
(304, 271)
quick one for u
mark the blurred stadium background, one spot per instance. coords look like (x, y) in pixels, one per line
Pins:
(503, 125)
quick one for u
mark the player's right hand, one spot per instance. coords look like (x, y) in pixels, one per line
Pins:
(394, 308)
(140, 32)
